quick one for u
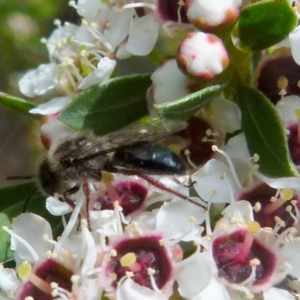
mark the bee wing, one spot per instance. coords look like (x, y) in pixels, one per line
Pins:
(149, 131)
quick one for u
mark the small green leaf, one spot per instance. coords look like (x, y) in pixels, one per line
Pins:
(13, 199)
(109, 106)
(265, 134)
(262, 25)
(185, 107)
(5, 252)
(15, 103)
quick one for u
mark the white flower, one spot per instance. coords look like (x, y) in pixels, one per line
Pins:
(38, 81)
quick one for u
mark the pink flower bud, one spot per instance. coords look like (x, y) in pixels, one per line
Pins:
(202, 55)
(214, 13)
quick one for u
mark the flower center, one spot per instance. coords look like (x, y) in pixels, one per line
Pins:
(235, 255)
(131, 196)
(48, 272)
(136, 257)
(270, 208)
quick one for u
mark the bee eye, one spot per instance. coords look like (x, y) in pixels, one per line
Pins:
(47, 178)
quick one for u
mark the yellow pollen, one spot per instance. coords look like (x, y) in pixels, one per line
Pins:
(57, 22)
(255, 158)
(282, 82)
(197, 242)
(29, 298)
(294, 202)
(214, 148)
(257, 207)
(253, 227)
(24, 269)
(116, 204)
(74, 278)
(128, 259)
(255, 167)
(151, 271)
(107, 177)
(162, 242)
(286, 194)
(84, 22)
(84, 222)
(129, 274)
(254, 262)
(279, 221)
(54, 293)
(53, 285)
(208, 132)
(273, 199)
(113, 252)
(289, 208)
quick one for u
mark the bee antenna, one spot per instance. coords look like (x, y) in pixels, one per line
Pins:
(20, 177)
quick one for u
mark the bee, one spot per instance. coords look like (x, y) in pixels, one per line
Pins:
(86, 155)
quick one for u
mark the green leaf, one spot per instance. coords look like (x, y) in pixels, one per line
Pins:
(185, 107)
(5, 252)
(13, 199)
(265, 134)
(262, 25)
(109, 106)
(15, 103)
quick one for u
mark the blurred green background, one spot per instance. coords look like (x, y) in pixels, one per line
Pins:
(22, 25)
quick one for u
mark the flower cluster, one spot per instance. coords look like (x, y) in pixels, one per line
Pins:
(211, 211)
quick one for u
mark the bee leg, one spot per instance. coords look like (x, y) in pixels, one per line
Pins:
(69, 192)
(153, 182)
(86, 190)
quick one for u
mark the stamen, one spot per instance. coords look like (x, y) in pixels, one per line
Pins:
(253, 263)
(187, 154)
(32, 252)
(231, 197)
(286, 195)
(71, 223)
(295, 204)
(289, 209)
(252, 227)
(230, 164)
(151, 272)
(60, 292)
(282, 84)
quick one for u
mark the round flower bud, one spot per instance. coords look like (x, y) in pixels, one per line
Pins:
(214, 13)
(202, 55)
